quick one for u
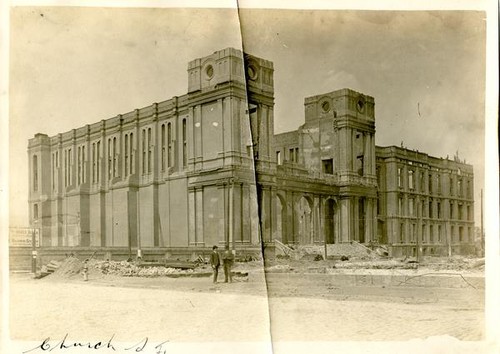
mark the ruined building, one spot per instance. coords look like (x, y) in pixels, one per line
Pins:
(205, 168)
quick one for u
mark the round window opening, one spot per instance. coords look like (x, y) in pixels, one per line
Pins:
(252, 72)
(361, 105)
(325, 106)
(209, 71)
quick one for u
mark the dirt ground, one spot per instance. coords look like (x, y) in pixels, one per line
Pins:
(285, 301)
(306, 301)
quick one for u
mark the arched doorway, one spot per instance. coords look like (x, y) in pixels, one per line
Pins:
(330, 211)
(305, 228)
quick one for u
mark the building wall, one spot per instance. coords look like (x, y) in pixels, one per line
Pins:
(424, 195)
(205, 168)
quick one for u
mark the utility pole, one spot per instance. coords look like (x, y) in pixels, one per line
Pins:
(482, 232)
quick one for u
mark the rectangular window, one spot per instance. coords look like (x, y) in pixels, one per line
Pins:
(424, 233)
(144, 151)
(410, 180)
(278, 157)
(65, 168)
(169, 141)
(297, 155)
(93, 163)
(431, 189)
(53, 171)
(459, 187)
(79, 165)
(150, 150)
(400, 206)
(431, 212)
(70, 175)
(439, 210)
(83, 165)
(411, 206)
(359, 167)
(400, 178)
(401, 232)
(163, 142)
(115, 158)
(328, 166)
(110, 159)
(468, 213)
(413, 233)
(98, 158)
(451, 185)
(184, 143)
(422, 181)
(440, 233)
(35, 211)
(431, 234)
(291, 155)
(131, 166)
(126, 154)
(438, 184)
(460, 212)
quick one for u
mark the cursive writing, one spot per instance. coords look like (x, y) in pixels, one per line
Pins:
(142, 346)
(66, 344)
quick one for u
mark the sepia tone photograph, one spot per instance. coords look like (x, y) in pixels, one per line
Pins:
(187, 178)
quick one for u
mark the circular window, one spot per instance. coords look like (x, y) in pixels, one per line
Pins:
(360, 105)
(325, 106)
(252, 72)
(209, 71)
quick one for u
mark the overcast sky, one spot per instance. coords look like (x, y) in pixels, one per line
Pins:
(75, 66)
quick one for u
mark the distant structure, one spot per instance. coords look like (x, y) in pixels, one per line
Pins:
(205, 168)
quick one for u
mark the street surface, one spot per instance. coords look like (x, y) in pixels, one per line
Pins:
(299, 308)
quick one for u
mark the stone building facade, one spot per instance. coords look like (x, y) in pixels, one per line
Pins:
(205, 168)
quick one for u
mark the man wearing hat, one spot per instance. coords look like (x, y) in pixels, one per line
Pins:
(228, 258)
(215, 262)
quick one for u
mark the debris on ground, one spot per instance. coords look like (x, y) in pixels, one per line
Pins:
(385, 264)
(68, 267)
(382, 251)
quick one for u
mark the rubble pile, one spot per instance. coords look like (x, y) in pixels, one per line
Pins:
(68, 267)
(130, 269)
(389, 264)
(458, 263)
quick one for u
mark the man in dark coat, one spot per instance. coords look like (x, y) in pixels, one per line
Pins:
(228, 258)
(215, 262)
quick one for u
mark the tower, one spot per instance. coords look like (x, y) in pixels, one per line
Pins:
(342, 124)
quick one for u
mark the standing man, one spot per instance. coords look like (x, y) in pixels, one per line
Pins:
(228, 259)
(215, 262)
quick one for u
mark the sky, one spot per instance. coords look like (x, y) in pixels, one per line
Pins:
(74, 66)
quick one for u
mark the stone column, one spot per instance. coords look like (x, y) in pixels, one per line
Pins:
(345, 220)
(368, 220)
(199, 215)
